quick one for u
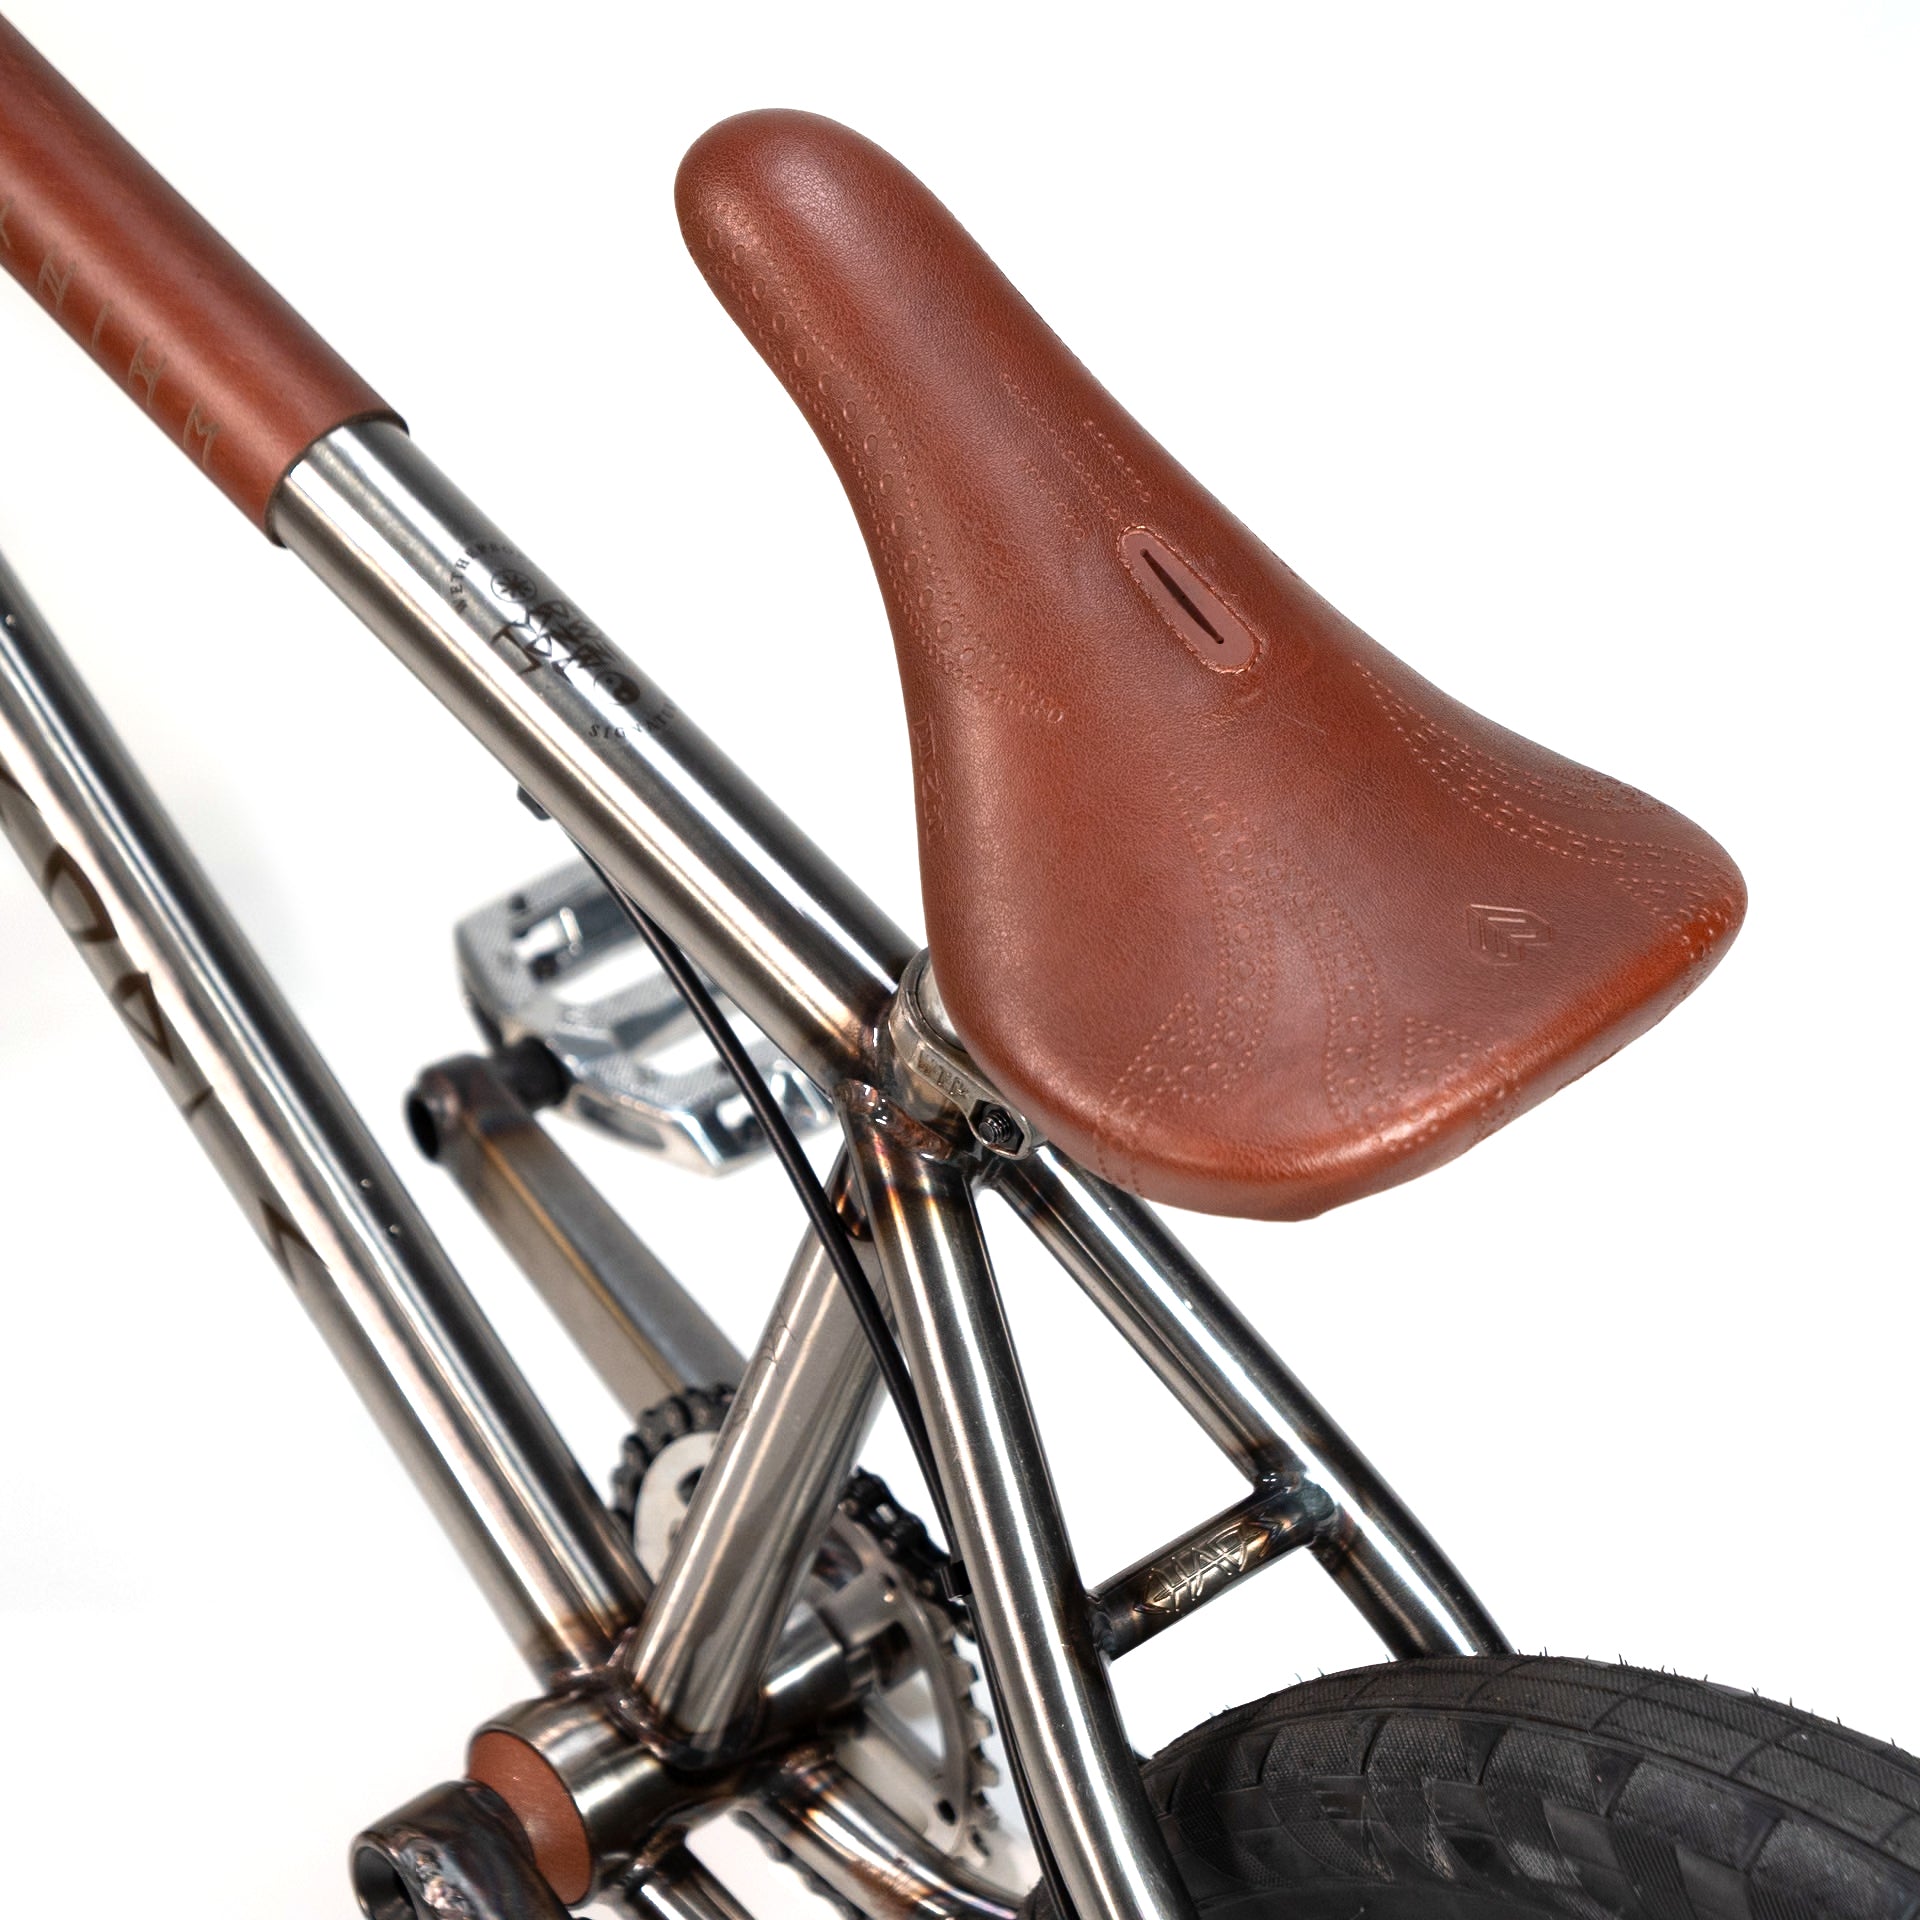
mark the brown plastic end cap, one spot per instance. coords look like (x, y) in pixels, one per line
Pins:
(543, 1806)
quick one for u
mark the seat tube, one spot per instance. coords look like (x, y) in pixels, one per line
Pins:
(758, 1513)
(1049, 1683)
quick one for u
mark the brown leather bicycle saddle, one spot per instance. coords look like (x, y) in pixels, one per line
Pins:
(1241, 911)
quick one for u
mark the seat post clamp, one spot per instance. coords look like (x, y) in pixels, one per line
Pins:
(937, 1074)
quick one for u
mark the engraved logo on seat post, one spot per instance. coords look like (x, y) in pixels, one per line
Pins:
(1502, 935)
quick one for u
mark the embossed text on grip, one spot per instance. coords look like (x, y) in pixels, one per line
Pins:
(196, 339)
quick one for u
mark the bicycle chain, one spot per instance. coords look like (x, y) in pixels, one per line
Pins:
(930, 1569)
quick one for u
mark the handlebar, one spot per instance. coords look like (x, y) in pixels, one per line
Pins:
(163, 305)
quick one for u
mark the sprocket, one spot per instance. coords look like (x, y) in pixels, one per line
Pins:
(877, 1556)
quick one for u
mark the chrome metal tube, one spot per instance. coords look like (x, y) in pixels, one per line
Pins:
(808, 957)
(758, 1514)
(835, 1828)
(1029, 1603)
(586, 1793)
(1243, 1395)
(674, 1887)
(638, 1327)
(318, 1191)
(593, 1796)
(1178, 1580)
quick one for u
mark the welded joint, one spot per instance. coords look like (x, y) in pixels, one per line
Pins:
(886, 1112)
(936, 1076)
(1185, 1575)
(670, 1884)
(593, 1779)
(851, 1846)
(588, 1781)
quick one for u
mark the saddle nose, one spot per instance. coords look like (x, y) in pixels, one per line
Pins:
(1245, 914)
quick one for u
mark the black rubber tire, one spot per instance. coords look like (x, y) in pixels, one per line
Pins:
(1483, 1789)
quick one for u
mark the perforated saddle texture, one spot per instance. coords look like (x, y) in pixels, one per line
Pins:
(1245, 914)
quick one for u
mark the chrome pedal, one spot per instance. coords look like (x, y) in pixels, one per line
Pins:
(636, 1063)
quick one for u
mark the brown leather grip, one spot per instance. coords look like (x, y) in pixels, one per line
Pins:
(218, 361)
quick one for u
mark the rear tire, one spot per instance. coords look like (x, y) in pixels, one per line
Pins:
(1488, 1789)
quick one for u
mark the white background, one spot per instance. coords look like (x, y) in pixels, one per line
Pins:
(1570, 350)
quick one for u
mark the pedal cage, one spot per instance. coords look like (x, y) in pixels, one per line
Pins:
(616, 1050)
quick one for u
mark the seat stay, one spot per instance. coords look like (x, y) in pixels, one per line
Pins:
(1247, 1400)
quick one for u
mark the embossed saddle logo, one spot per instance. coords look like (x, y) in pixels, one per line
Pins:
(1503, 934)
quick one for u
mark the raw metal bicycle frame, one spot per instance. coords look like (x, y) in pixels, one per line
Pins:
(651, 1697)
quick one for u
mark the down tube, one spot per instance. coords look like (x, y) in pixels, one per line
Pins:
(318, 1191)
